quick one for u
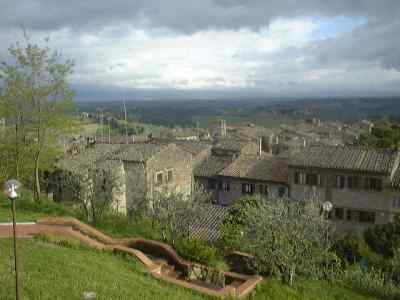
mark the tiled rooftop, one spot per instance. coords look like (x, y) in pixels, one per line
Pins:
(231, 144)
(345, 158)
(212, 166)
(264, 168)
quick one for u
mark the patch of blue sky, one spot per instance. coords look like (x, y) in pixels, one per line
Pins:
(331, 27)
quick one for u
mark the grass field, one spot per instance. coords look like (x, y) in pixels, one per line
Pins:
(50, 271)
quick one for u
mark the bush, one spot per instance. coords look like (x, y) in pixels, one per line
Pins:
(384, 239)
(231, 232)
(373, 282)
(198, 251)
(351, 248)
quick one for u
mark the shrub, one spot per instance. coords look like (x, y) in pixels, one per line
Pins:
(196, 250)
(231, 232)
(383, 239)
(351, 248)
(373, 282)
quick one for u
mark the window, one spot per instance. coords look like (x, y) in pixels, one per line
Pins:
(212, 184)
(353, 182)
(226, 186)
(313, 179)
(266, 190)
(170, 175)
(367, 217)
(281, 192)
(159, 177)
(248, 188)
(373, 184)
(299, 178)
(396, 202)
(361, 216)
(339, 213)
(340, 181)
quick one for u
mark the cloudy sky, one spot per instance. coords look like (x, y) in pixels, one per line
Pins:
(217, 48)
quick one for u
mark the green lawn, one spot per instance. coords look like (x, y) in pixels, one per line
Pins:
(55, 272)
(22, 215)
(50, 271)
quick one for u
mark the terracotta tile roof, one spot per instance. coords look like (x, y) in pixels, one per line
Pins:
(91, 156)
(231, 144)
(345, 158)
(208, 227)
(212, 166)
(396, 179)
(194, 147)
(264, 168)
(140, 152)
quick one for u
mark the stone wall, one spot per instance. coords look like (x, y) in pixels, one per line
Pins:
(136, 185)
(172, 159)
(379, 202)
(222, 197)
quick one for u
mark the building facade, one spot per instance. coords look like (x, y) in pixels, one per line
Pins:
(360, 183)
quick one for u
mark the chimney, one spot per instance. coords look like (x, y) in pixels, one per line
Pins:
(259, 147)
(270, 143)
(223, 128)
(304, 142)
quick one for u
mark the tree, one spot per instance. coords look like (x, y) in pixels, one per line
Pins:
(231, 232)
(96, 186)
(176, 212)
(288, 238)
(383, 135)
(37, 99)
(384, 239)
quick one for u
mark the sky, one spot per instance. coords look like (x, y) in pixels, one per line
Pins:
(181, 49)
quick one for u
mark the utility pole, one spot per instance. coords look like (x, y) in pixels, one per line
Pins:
(109, 132)
(126, 123)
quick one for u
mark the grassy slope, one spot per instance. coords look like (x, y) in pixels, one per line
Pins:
(55, 272)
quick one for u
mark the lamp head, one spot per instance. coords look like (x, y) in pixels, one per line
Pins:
(12, 188)
(327, 206)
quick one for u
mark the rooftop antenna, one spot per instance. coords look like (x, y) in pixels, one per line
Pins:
(126, 123)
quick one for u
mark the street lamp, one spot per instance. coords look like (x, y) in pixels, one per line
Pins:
(327, 207)
(11, 190)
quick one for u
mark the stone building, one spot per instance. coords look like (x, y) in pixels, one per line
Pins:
(139, 170)
(238, 168)
(79, 174)
(362, 184)
(154, 168)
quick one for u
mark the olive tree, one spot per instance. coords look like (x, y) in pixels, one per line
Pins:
(288, 238)
(176, 212)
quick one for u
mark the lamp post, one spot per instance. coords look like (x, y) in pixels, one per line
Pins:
(11, 189)
(327, 208)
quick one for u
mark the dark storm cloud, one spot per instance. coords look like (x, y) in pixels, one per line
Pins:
(376, 42)
(372, 42)
(180, 15)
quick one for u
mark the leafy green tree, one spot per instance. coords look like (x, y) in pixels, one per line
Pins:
(231, 232)
(384, 239)
(36, 99)
(176, 212)
(289, 238)
(383, 135)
